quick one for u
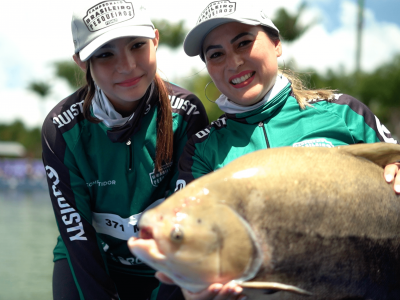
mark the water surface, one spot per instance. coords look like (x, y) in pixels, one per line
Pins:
(28, 234)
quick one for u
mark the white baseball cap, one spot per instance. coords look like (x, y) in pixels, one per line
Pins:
(220, 12)
(94, 23)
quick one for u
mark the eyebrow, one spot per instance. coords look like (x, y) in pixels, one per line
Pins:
(240, 35)
(232, 41)
(109, 45)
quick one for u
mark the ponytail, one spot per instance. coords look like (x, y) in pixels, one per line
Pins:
(165, 135)
(90, 90)
(302, 94)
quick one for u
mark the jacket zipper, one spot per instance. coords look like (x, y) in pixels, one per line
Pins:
(261, 124)
(129, 144)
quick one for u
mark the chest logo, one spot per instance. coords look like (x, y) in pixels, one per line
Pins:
(314, 143)
(156, 178)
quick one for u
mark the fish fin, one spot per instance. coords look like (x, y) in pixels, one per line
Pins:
(381, 154)
(273, 286)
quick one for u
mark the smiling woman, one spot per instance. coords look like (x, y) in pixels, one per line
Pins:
(111, 150)
(264, 108)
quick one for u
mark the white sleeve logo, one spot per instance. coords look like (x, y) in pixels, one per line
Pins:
(383, 131)
(180, 184)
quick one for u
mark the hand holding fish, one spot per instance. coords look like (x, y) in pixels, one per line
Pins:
(390, 175)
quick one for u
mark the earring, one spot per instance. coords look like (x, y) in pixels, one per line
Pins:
(205, 92)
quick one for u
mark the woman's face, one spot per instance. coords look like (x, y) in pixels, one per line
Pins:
(242, 61)
(124, 68)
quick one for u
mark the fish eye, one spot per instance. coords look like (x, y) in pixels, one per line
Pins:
(177, 234)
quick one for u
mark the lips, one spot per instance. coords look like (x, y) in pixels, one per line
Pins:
(242, 79)
(130, 82)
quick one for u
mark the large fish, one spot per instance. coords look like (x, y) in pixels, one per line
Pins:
(293, 221)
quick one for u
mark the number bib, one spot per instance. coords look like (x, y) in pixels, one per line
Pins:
(118, 227)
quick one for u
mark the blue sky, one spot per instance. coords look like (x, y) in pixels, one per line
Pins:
(384, 11)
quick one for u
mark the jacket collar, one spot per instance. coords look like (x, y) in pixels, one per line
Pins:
(266, 111)
(121, 134)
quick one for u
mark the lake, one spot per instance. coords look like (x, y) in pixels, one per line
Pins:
(28, 234)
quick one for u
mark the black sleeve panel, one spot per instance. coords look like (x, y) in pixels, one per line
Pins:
(194, 117)
(369, 118)
(191, 165)
(191, 108)
(77, 233)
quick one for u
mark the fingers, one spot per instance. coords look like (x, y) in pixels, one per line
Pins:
(390, 175)
(217, 291)
(164, 278)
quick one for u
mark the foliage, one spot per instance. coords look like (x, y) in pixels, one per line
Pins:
(71, 72)
(288, 26)
(29, 138)
(171, 34)
(40, 87)
(196, 84)
(378, 90)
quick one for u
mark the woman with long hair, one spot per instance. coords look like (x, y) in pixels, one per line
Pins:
(264, 107)
(111, 151)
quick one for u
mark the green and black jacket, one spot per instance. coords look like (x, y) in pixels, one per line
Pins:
(280, 122)
(100, 180)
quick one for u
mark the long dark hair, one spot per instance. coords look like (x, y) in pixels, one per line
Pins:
(164, 145)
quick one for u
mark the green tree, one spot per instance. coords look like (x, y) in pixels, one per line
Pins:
(377, 89)
(29, 138)
(197, 84)
(171, 34)
(40, 87)
(288, 24)
(69, 71)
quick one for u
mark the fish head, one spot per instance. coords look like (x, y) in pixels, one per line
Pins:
(195, 240)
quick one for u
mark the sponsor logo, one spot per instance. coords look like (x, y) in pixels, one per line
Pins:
(180, 184)
(70, 217)
(383, 131)
(101, 183)
(314, 143)
(108, 13)
(147, 109)
(127, 261)
(178, 103)
(217, 123)
(67, 116)
(217, 9)
(156, 178)
(220, 122)
(203, 133)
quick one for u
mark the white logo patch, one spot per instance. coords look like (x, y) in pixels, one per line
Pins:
(217, 9)
(156, 178)
(314, 143)
(383, 131)
(108, 13)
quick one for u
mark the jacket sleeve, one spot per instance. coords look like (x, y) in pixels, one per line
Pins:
(194, 118)
(71, 204)
(192, 163)
(364, 126)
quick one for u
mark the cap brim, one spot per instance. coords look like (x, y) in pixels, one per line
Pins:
(194, 39)
(139, 31)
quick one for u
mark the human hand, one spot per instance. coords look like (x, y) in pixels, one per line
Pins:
(390, 175)
(216, 291)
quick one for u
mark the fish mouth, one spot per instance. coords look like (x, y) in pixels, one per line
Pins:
(147, 250)
(146, 233)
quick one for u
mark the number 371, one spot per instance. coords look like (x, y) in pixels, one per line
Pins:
(116, 224)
